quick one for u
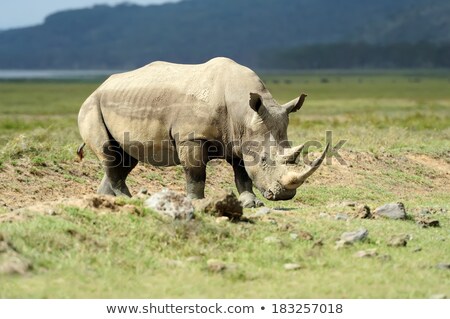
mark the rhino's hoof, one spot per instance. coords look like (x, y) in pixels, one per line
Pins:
(252, 203)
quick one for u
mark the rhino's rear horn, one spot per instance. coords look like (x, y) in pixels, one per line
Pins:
(293, 180)
(290, 155)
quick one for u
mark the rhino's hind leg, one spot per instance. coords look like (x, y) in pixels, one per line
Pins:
(117, 165)
(244, 186)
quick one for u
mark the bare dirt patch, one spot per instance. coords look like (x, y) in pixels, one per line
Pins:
(24, 184)
(27, 185)
(437, 164)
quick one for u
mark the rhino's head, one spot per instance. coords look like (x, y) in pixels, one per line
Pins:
(269, 160)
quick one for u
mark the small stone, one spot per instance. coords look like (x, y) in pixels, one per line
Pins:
(355, 236)
(51, 212)
(222, 219)
(293, 236)
(285, 227)
(272, 240)
(348, 204)
(172, 204)
(318, 243)
(342, 244)
(305, 235)
(398, 241)
(366, 253)
(438, 296)
(13, 264)
(443, 266)
(341, 216)
(425, 222)
(392, 211)
(143, 191)
(215, 265)
(324, 215)
(291, 266)
(363, 211)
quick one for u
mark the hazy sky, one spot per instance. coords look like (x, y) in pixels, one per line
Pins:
(19, 13)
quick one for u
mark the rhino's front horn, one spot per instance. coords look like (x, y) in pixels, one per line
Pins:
(292, 180)
(290, 154)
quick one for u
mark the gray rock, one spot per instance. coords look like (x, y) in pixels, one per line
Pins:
(355, 236)
(341, 216)
(172, 204)
(443, 266)
(392, 211)
(291, 266)
(366, 253)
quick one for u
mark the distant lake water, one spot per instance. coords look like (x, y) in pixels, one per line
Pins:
(55, 74)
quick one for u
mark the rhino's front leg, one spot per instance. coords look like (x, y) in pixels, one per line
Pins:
(244, 186)
(193, 160)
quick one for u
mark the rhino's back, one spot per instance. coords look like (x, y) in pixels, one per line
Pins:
(163, 100)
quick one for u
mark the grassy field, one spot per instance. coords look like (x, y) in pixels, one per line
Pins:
(397, 127)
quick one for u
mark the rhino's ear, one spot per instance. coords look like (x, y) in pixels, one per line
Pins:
(255, 102)
(295, 104)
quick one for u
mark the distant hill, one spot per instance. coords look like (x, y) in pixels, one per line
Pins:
(253, 32)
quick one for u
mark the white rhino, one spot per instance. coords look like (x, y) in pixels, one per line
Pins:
(170, 114)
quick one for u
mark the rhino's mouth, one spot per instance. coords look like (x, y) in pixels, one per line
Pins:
(278, 193)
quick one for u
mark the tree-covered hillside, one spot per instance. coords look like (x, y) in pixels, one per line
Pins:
(253, 32)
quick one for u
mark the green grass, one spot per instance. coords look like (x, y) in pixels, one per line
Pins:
(385, 117)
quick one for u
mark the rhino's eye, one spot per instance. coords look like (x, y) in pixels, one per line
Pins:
(264, 158)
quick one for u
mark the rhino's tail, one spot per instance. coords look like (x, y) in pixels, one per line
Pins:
(80, 152)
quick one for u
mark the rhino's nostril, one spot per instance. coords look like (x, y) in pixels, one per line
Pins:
(268, 194)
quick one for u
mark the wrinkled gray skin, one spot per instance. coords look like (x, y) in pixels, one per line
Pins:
(169, 114)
